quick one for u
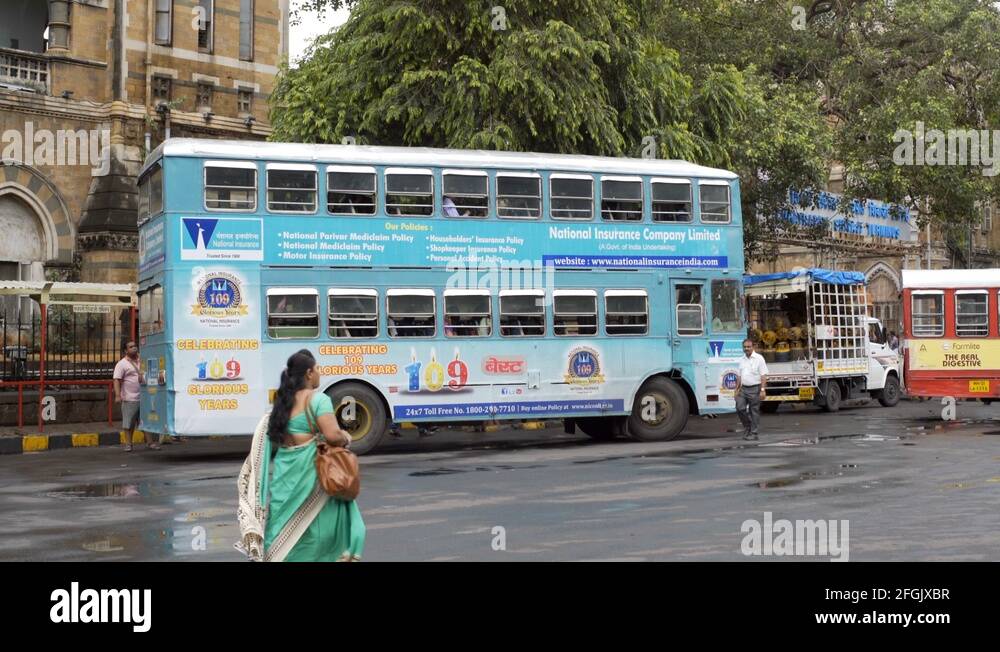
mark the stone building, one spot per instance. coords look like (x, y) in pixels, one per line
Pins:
(881, 246)
(87, 87)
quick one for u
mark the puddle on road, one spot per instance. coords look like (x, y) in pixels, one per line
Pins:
(786, 481)
(104, 490)
(495, 469)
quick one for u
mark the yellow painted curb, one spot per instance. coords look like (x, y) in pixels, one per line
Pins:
(86, 439)
(491, 427)
(31, 443)
(533, 425)
(407, 425)
(137, 437)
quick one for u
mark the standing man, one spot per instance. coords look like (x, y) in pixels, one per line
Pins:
(750, 389)
(127, 379)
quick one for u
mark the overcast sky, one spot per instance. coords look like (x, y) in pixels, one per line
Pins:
(303, 34)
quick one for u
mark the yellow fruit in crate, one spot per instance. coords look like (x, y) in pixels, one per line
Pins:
(796, 333)
(782, 333)
(755, 334)
(770, 337)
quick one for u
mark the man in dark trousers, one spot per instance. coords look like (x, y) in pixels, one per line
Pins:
(750, 389)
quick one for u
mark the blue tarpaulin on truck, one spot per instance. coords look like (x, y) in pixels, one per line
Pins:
(817, 274)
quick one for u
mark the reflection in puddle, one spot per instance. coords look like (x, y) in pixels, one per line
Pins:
(786, 481)
(106, 490)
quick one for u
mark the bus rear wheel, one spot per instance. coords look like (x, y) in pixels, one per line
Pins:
(660, 411)
(601, 428)
(361, 413)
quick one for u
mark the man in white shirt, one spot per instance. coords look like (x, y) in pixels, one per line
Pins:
(750, 389)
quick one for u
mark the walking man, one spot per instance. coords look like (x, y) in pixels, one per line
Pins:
(127, 378)
(750, 389)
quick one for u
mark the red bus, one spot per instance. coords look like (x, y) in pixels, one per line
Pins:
(951, 342)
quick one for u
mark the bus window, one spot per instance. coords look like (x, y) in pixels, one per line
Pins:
(522, 313)
(353, 313)
(726, 307)
(519, 195)
(574, 312)
(291, 188)
(714, 202)
(972, 318)
(409, 193)
(621, 199)
(292, 313)
(410, 313)
(350, 191)
(156, 191)
(143, 199)
(690, 310)
(626, 312)
(466, 194)
(467, 313)
(671, 201)
(230, 186)
(571, 197)
(151, 311)
(928, 314)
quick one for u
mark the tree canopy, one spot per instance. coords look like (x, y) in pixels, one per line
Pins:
(776, 91)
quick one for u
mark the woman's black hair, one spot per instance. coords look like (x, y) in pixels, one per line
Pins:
(293, 378)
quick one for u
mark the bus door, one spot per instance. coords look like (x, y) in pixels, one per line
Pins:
(687, 337)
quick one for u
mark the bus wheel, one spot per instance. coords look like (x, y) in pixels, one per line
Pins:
(660, 411)
(889, 395)
(600, 428)
(832, 401)
(364, 418)
(769, 407)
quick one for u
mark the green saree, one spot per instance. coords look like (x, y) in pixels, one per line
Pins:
(337, 531)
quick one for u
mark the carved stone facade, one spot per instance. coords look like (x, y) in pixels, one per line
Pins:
(79, 112)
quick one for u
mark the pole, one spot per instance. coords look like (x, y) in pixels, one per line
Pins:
(41, 367)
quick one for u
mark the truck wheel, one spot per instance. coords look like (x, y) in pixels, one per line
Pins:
(769, 407)
(366, 422)
(660, 411)
(600, 428)
(832, 402)
(889, 395)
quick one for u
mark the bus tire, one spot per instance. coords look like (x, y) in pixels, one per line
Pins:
(889, 395)
(769, 407)
(831, 402)
(370, 419)
(672, 409)
(600, 428)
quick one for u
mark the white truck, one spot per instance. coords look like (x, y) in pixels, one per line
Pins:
(813, 329)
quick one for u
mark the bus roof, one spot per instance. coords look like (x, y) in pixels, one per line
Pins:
(374, 155)
(951, 278)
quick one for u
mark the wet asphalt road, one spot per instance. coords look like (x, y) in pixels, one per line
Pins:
(911, 486)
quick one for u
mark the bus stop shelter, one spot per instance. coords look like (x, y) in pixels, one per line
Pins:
(83, 298)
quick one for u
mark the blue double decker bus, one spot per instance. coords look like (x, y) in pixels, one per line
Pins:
(437, 285)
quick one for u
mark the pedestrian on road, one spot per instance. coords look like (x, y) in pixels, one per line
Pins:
(750, 389)
(128, 378)
(284, 514)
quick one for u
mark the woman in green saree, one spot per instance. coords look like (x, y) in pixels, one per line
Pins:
(284, 514)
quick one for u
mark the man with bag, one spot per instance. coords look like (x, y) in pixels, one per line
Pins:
(128, 378)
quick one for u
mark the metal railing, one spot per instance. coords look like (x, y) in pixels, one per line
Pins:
(78, 346)
(24, 69)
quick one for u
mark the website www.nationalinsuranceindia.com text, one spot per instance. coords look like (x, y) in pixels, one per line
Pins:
(876, 618)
